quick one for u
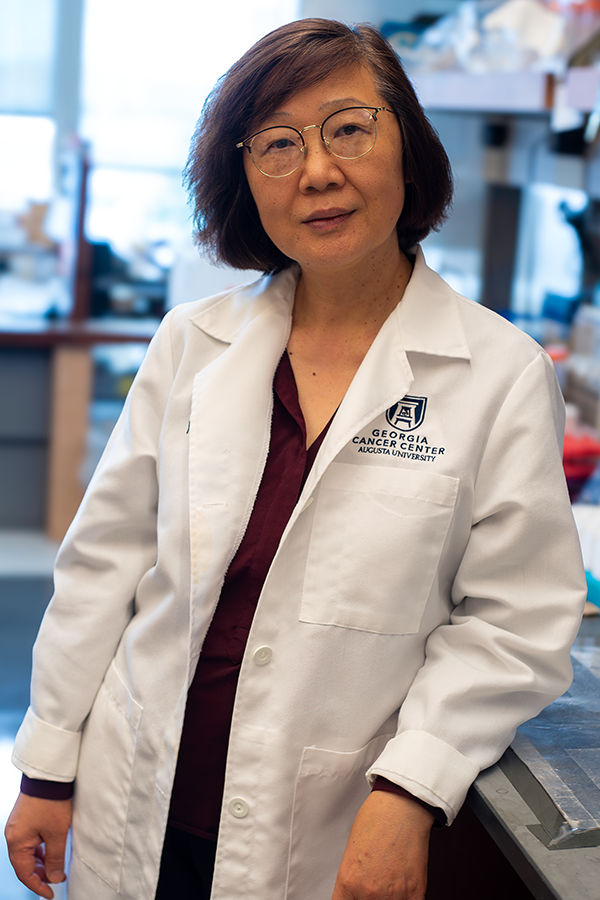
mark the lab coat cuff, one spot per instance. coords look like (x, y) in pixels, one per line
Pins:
(428, 768)
(56, 751)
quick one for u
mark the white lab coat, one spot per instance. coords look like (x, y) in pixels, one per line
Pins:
(430, 566)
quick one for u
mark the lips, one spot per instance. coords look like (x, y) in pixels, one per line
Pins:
(328, 218)
(333, 213)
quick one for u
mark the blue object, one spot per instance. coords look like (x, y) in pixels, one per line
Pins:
(559, 308)
(590, 493)
(593, 589)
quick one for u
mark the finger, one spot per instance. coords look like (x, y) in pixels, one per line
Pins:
(29, 869)
(55, 858)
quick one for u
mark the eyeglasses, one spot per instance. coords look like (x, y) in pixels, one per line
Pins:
(348, 134)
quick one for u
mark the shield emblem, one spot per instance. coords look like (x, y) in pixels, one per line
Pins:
(407, 414)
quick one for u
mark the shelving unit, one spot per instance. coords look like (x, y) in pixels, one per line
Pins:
(504, 92)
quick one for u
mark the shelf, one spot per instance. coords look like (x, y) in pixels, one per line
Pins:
(37, 332)
(505, 92)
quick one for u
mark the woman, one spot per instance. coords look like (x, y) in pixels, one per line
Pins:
(340, 489)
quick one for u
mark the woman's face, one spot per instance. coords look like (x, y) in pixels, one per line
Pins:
(333, 213)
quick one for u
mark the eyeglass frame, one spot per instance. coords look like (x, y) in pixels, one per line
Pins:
(373, 110)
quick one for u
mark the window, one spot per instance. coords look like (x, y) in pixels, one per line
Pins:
(27, 37)
(147, 68)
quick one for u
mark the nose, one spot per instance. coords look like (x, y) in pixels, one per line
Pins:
(320, 168)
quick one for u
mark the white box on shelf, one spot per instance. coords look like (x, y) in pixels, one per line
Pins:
(582, 87)
(508, 92)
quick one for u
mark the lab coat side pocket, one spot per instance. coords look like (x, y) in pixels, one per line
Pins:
(330, 789)
(104, 778)
(375, 546)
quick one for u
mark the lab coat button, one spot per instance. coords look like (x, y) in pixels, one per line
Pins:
(238, 808)
(263, 655)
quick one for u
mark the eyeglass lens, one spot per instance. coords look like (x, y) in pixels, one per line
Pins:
(348, 134)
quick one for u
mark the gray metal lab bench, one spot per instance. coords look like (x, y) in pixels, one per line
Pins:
(541, 803)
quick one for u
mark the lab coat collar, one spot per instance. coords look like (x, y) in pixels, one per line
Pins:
(226, 315)
(428, 317)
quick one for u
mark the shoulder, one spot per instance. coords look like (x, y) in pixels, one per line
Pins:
(507, 363)
(437, 321)
(493, 336)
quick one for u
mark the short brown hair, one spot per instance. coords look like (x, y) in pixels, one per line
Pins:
(289, 59)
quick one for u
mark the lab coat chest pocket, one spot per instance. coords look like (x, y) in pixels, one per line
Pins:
(106, 767)
(376, 541)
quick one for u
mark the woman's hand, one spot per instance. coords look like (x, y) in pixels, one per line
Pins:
(386, 854)
(32, 823)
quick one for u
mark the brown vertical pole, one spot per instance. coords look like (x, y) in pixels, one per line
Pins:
(70, 399)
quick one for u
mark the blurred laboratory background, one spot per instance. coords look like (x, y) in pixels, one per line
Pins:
(98, 101)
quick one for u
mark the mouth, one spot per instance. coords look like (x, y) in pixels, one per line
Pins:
(327, 218)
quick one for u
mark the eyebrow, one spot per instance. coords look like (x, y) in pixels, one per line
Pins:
(351, 101)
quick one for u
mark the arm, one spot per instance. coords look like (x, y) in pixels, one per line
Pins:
(387, 851)
(382, 784)
(111, 543)
(518, 594)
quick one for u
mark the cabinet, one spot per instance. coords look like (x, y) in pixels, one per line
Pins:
(24, 435)
(45, 391)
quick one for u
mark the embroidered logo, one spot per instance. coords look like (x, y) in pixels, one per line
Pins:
(407, 414)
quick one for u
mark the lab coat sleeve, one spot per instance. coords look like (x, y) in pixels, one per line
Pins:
(518, 597)
(110, 545)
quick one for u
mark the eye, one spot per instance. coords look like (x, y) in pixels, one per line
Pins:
(275, 142)
(281, 144)
(348, 130)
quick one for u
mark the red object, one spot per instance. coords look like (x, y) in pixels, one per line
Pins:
(581, 453)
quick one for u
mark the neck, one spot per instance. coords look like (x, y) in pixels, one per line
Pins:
(336, 318)
(357, 297)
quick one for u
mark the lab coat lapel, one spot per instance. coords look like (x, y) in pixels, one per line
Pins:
(428, 315)
(229, 437)
(383, 378)
(425, 321)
